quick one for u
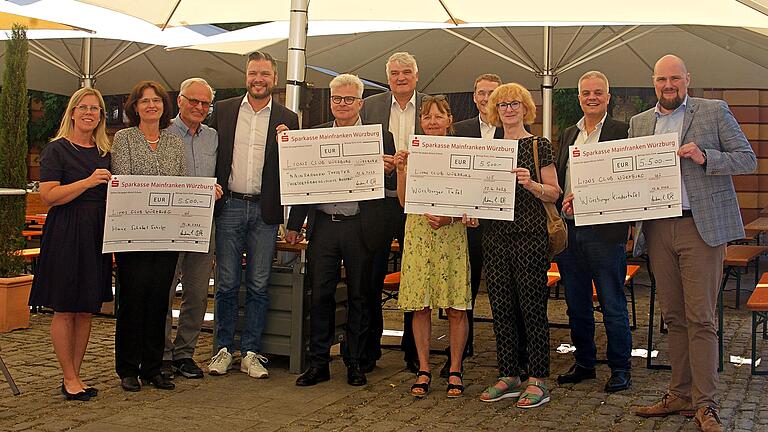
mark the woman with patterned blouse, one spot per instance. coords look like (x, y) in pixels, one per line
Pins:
(435, 266)
(516, 262)
(145, 148)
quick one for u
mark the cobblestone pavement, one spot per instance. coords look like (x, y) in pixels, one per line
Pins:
(236, 403)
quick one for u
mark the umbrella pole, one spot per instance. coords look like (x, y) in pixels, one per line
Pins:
(547, 80)
(297, 41)
(86, 79)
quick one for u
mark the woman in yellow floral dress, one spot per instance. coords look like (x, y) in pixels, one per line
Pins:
(435, 265)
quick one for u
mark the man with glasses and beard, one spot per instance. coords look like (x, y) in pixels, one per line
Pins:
(247, 218)
(686, 252)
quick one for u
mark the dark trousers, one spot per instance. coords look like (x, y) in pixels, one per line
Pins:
(331, 243)
(589, 258)
(379, 269)
(142, 303)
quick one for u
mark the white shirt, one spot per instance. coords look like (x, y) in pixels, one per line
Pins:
(583, 137)
(250, 145)
(402, 122)
(673, 123)
(487, 131)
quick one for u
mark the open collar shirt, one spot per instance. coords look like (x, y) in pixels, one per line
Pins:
(249, 148)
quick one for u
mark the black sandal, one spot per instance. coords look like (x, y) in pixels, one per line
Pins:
(421, 386)
(459, 387)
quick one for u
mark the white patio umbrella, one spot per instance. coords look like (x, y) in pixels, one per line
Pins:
(731, 13)
(12, 13)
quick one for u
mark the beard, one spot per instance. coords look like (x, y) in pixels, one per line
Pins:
(254, 94)
(671, 104)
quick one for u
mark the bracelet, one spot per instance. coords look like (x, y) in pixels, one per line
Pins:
(542, 190)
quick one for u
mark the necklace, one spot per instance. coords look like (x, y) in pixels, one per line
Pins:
(152, 141)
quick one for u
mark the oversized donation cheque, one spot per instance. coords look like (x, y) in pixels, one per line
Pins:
(451, 176)
(159, 213)
(626, 180)
(328, 165)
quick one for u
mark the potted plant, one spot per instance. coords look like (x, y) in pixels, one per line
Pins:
(14, 284)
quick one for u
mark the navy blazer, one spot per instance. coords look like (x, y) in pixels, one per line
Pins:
(612, 130)
(377, 228)
(224, 120)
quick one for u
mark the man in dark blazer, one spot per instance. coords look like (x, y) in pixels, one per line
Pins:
(476, 127)
(348, 232)
(248, 215)
(595, 253)
(396, 110)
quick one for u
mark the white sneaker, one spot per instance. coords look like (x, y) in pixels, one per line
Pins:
(253, 365)
(220, 363)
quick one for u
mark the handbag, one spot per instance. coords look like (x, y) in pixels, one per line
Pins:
(556, 228)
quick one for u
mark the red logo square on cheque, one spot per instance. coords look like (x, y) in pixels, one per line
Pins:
(284, 138)
(115, 182)
(415, 142)
(576, 152)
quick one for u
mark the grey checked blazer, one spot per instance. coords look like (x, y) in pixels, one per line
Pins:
(376, 110)
(710, 124)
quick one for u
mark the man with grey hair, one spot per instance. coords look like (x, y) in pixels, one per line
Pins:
(397, 110)
(193, 268)
(594, 253)
(342, 231)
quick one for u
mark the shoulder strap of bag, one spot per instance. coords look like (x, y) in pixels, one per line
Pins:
(536, 158)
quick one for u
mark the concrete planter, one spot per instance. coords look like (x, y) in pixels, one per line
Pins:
(14, 299)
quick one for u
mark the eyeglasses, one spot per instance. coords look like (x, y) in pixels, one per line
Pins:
(507, 105)
(195, 102)
(88, 108)
(348, 100)
(154, 100)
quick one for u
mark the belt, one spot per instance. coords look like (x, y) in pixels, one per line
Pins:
(686, 214)
(245, 197)
(339, 217)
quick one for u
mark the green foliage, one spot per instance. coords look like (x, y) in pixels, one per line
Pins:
(14, 110)
(566, 108)
(40, 131)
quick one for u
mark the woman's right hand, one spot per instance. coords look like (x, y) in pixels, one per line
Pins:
(401, 160)
(99, 176)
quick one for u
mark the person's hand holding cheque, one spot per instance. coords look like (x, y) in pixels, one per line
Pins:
(568, 205)
(293, 237)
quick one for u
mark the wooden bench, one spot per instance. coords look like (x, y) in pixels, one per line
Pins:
(391, 287)
(737, 259)
(30, 234)
(758, 305)
(30, 256)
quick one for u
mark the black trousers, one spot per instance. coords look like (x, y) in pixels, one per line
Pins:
(142, 303)
(331, 243)
(380, 263)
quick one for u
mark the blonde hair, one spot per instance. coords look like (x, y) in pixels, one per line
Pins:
(512, 92)
(344, 80)
(67, 123)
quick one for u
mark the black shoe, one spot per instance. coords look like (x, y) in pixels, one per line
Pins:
(620, 380)
(159, 382)
(412, 365)
(313, 375)
(130, 384)
(91, 391)
(187, 368)
(368, 367)
(355, 376)
(166, 370)
(81, 396)
(576, 374)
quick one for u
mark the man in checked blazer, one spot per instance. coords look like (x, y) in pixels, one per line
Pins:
(686, 253)
(594, 253)
(249, 213)
(396, 110)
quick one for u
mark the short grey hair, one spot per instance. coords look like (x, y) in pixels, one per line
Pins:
(595, 74)
(188, 82)
(347, 80)
(403, 58)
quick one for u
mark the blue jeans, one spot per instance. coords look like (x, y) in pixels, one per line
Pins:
(239, 228)
(589, 258)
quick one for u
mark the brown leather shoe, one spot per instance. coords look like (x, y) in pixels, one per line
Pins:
(669, 404)
(708, 420)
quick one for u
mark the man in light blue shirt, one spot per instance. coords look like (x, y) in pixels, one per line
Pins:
(193, 268)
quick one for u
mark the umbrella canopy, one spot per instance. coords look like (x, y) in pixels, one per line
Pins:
(33, 19)
(185, 12)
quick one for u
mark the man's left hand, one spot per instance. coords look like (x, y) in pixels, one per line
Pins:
(693, 152)
(219, 191)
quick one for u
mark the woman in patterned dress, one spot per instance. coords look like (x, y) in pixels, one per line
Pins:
(435, 265)
(145, 148)
(516, 261)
